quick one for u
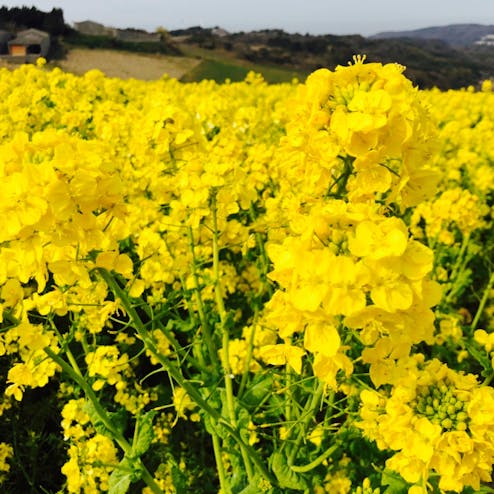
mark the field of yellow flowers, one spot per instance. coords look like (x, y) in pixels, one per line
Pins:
(245, 288)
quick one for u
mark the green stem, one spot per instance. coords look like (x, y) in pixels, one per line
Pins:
(262, 261)
(176, 374)
(196, 343)
(70, 356)
(308, 414)
(459, 266)
(156, 320)
(219, 297)
(288, 395)
(342, 179)
(225, 488)
(200, 304)
(76, 375)
(488, 379)
(313, 464)
(248, 357)
(483, 301)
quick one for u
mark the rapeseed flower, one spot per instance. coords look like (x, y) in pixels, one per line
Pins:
(436, 421)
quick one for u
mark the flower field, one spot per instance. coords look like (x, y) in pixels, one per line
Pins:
(245, 288)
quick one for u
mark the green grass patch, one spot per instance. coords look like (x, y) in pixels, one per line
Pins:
(220, 71)
(215, 70)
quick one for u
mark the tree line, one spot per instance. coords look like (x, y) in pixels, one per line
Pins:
(16, 18)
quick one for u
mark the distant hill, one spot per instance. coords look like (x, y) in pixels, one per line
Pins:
(428, 62)
(457, 35)
(447, 57)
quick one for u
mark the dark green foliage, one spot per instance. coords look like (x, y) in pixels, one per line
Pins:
(33, 430)
(75, 38)
(30, 17)
(429, 62)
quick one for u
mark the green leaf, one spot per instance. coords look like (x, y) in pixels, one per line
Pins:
(396, 484)
(243, 421)
(287, 478)
(119, 482)
(257, 391)
(179, 479)
(480, 357)
(250, 489)
(121, 478)
(209, 425)
(238, 479)
(118, 420)
(257, 486)
(144, 434)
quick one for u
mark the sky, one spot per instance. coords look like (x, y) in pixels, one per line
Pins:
(365, 17)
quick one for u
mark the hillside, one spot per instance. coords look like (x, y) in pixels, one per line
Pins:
(458, 35)
(447, 57)
(428, 62)
(278, 56)
(126, 65)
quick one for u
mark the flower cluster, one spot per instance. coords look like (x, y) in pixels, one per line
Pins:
(92, 456)
(345, 261)
(438, 421)
(283, 276)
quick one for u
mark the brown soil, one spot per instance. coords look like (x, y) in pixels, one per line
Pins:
(126, 65)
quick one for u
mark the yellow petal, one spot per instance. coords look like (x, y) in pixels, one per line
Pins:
(322, 339)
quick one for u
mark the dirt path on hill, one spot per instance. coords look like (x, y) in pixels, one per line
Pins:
(126, 65)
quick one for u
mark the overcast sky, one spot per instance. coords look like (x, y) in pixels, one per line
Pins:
(303, 16)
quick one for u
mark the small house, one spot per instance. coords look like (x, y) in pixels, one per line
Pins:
(30, 42)
(92, 28)
(487, 40)
(220, 32)
(137, 36)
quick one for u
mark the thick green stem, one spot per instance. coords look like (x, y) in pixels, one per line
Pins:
(176, 374)
(219, 298)
(76, 375)
(200, 304)
(308, 414)
(313, 464)
(225, 487)
(483, 301)
(248, 357)
(288, 394)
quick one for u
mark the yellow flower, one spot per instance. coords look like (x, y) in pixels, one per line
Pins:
(113, 261)
(237, 353)
(485, 339)
(20, 375)
(322, 338)
(486, 86)
(283, 354)
(6, 451)
(437, 421)
(106, 365)
(326, 368)
(182, 402)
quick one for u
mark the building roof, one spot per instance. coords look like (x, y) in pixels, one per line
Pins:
(91, 27)
(30, 37)
(89, 23)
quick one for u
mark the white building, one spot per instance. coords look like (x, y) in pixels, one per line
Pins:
(486, 40)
